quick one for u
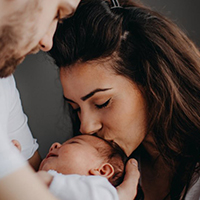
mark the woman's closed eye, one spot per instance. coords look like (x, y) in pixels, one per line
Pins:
(98, 106)
(104, 105)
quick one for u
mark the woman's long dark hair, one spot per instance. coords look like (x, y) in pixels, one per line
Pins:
(151, 51)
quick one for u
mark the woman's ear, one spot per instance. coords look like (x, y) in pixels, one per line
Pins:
(106, 170)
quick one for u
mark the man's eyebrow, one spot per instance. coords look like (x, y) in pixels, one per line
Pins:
(94, 92)
(88, 95)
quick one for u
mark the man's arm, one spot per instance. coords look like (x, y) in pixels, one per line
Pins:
(17, 124)
(23, 184)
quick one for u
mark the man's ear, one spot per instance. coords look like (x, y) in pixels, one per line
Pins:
(106, 170)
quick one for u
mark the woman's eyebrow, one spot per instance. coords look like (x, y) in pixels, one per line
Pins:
(87, 96)
(93, 92)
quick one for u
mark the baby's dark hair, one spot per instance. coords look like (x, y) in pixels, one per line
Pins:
(116, 157)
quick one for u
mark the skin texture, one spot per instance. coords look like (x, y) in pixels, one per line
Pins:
(28, 26)
(101, 112)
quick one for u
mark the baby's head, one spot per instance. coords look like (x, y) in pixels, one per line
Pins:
(87, 155)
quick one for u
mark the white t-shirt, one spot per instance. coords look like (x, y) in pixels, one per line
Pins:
(13, 125)
(77, 187)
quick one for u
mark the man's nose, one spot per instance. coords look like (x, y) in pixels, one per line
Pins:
(90, 124)
(46, 42)
(55, 145)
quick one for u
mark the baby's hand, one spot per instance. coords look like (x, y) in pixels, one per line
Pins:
(45, 177)
(127, 190)
(17, 144)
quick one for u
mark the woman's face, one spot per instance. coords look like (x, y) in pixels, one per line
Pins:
(107, 104)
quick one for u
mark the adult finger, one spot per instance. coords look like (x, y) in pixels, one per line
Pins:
(127, 190)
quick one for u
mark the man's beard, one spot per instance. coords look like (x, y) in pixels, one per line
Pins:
(9, 48)
(16, 36)
(9, 66)
(8, 56)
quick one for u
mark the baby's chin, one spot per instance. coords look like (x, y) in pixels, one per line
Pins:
(43, 166)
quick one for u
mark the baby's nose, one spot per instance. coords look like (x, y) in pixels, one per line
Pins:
(55, 145)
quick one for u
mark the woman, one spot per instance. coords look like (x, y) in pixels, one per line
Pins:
(132, 76)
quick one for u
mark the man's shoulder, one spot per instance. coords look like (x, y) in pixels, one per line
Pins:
(8, 81)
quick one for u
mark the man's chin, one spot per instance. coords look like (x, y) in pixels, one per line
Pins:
(21, 60)
(10, 66)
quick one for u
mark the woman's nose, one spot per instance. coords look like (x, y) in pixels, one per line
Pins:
(55, 145)
(46, 42)
(90, 125)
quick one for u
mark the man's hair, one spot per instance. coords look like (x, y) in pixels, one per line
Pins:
(155, 54)
(116, 157)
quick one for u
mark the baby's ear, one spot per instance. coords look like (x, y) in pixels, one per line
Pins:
(106, 170)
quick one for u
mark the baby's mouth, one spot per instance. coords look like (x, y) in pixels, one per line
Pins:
(51, 155)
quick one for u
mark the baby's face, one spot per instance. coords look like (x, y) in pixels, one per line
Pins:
(76, 156)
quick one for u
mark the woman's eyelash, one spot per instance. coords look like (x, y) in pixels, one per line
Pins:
(75, 110)
(103, 105)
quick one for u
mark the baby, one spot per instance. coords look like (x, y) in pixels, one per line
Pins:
(87, 155)
(83, 168)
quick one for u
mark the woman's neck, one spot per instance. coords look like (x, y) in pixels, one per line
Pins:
(150, 147)
(156, 176)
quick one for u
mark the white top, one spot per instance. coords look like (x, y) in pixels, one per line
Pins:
(77, 187)
(13, 125)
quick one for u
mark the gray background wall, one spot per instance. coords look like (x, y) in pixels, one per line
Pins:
(38, 81)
